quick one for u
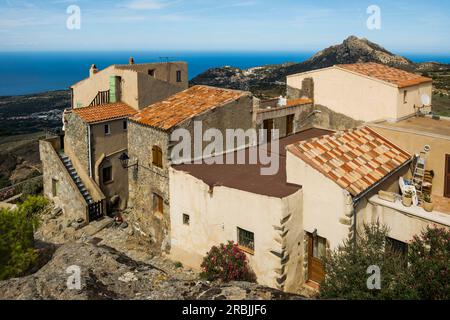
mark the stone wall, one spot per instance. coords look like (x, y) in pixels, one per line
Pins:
(76, 140)
(307, 90)
(67, 196)
(149, 179)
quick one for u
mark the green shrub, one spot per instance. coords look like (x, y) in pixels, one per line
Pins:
(31, 187)
(226, 263)
(16, 243)
(346, 267)
(33, 205)
(429, 264)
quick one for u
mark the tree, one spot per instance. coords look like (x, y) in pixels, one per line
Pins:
(422, 274)
(17, 228)
(347, 267)
(429, 264)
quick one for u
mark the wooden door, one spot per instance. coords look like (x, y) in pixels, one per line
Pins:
(268, 125)
(447, 176)
(289, 124)
(316, 255)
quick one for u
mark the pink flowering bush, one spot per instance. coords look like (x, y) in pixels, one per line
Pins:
(227, 262)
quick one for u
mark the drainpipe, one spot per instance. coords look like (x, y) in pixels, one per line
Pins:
(89, 150)
(357, 199)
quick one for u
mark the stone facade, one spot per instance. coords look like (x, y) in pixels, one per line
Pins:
(76, 143)
(58, 185)
(306, 91)
(147, 179)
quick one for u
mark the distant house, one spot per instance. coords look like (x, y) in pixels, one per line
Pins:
(150, 147)
(137, 85)
(363, 91)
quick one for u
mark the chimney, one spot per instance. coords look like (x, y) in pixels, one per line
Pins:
(131, 60)
(93, 70)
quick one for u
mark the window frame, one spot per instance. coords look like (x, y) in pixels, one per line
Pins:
(179, 76)
(186, 219)
(157, 156)
(125, 125)
(250, 249)
(405, 96)
(107, 129)
(107, 167)
(151, 72)
(159, 203)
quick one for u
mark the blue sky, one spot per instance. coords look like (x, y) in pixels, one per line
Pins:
(283, 25)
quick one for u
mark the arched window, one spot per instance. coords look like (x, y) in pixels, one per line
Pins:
(157, 156)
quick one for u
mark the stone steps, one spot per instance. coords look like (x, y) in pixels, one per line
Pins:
(75, 177)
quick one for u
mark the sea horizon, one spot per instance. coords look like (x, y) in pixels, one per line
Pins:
(28, 73)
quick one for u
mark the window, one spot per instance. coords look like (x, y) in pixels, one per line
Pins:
(107, 174)
(405, 96)
(246, 240)
(397, 246)
(125, 125)
(319, 248)
(55, 187)
(107, 129)
(186, 219)
(157, 156)
(178, 76)
(158, 203)
(151, 72)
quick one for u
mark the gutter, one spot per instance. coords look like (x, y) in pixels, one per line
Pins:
(89, 150)
(357, 199)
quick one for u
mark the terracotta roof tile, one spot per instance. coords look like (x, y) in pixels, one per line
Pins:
(185, 105)
(400, 78)
(357, 171)
(105, 112)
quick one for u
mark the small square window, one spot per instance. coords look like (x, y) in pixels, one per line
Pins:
(186, 219)
(158, 203)
(107, 129)
(246, 240)
(125, 125)
(107, 174)
(179, 76)
(151, 72)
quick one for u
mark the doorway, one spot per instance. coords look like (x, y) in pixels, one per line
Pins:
(290, 124)
(316, 257)
(268, 125)
(447, 176)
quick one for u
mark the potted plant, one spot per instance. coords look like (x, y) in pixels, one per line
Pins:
(407, 198)
(427, 203)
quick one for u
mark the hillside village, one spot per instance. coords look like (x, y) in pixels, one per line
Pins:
(116, 156)
(354, 144)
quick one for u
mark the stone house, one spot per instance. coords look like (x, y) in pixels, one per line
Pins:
(137, 85)
(341, 175)
(150, 149)
(364, 91)
(95, 138)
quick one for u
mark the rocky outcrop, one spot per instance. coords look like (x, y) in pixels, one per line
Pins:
(270, 79)
(106, 273)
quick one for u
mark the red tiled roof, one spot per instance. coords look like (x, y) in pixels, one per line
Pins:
(105, 112)
(185, 105)
(354, 159)
(400, 78)
(297, 102)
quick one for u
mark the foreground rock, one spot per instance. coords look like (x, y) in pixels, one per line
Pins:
(109, 274)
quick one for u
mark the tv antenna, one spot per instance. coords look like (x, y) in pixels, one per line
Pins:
(166, 59)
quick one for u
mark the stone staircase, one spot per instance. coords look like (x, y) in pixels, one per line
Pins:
(73, 173)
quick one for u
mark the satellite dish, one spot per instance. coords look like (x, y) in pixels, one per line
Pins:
(426, 101)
